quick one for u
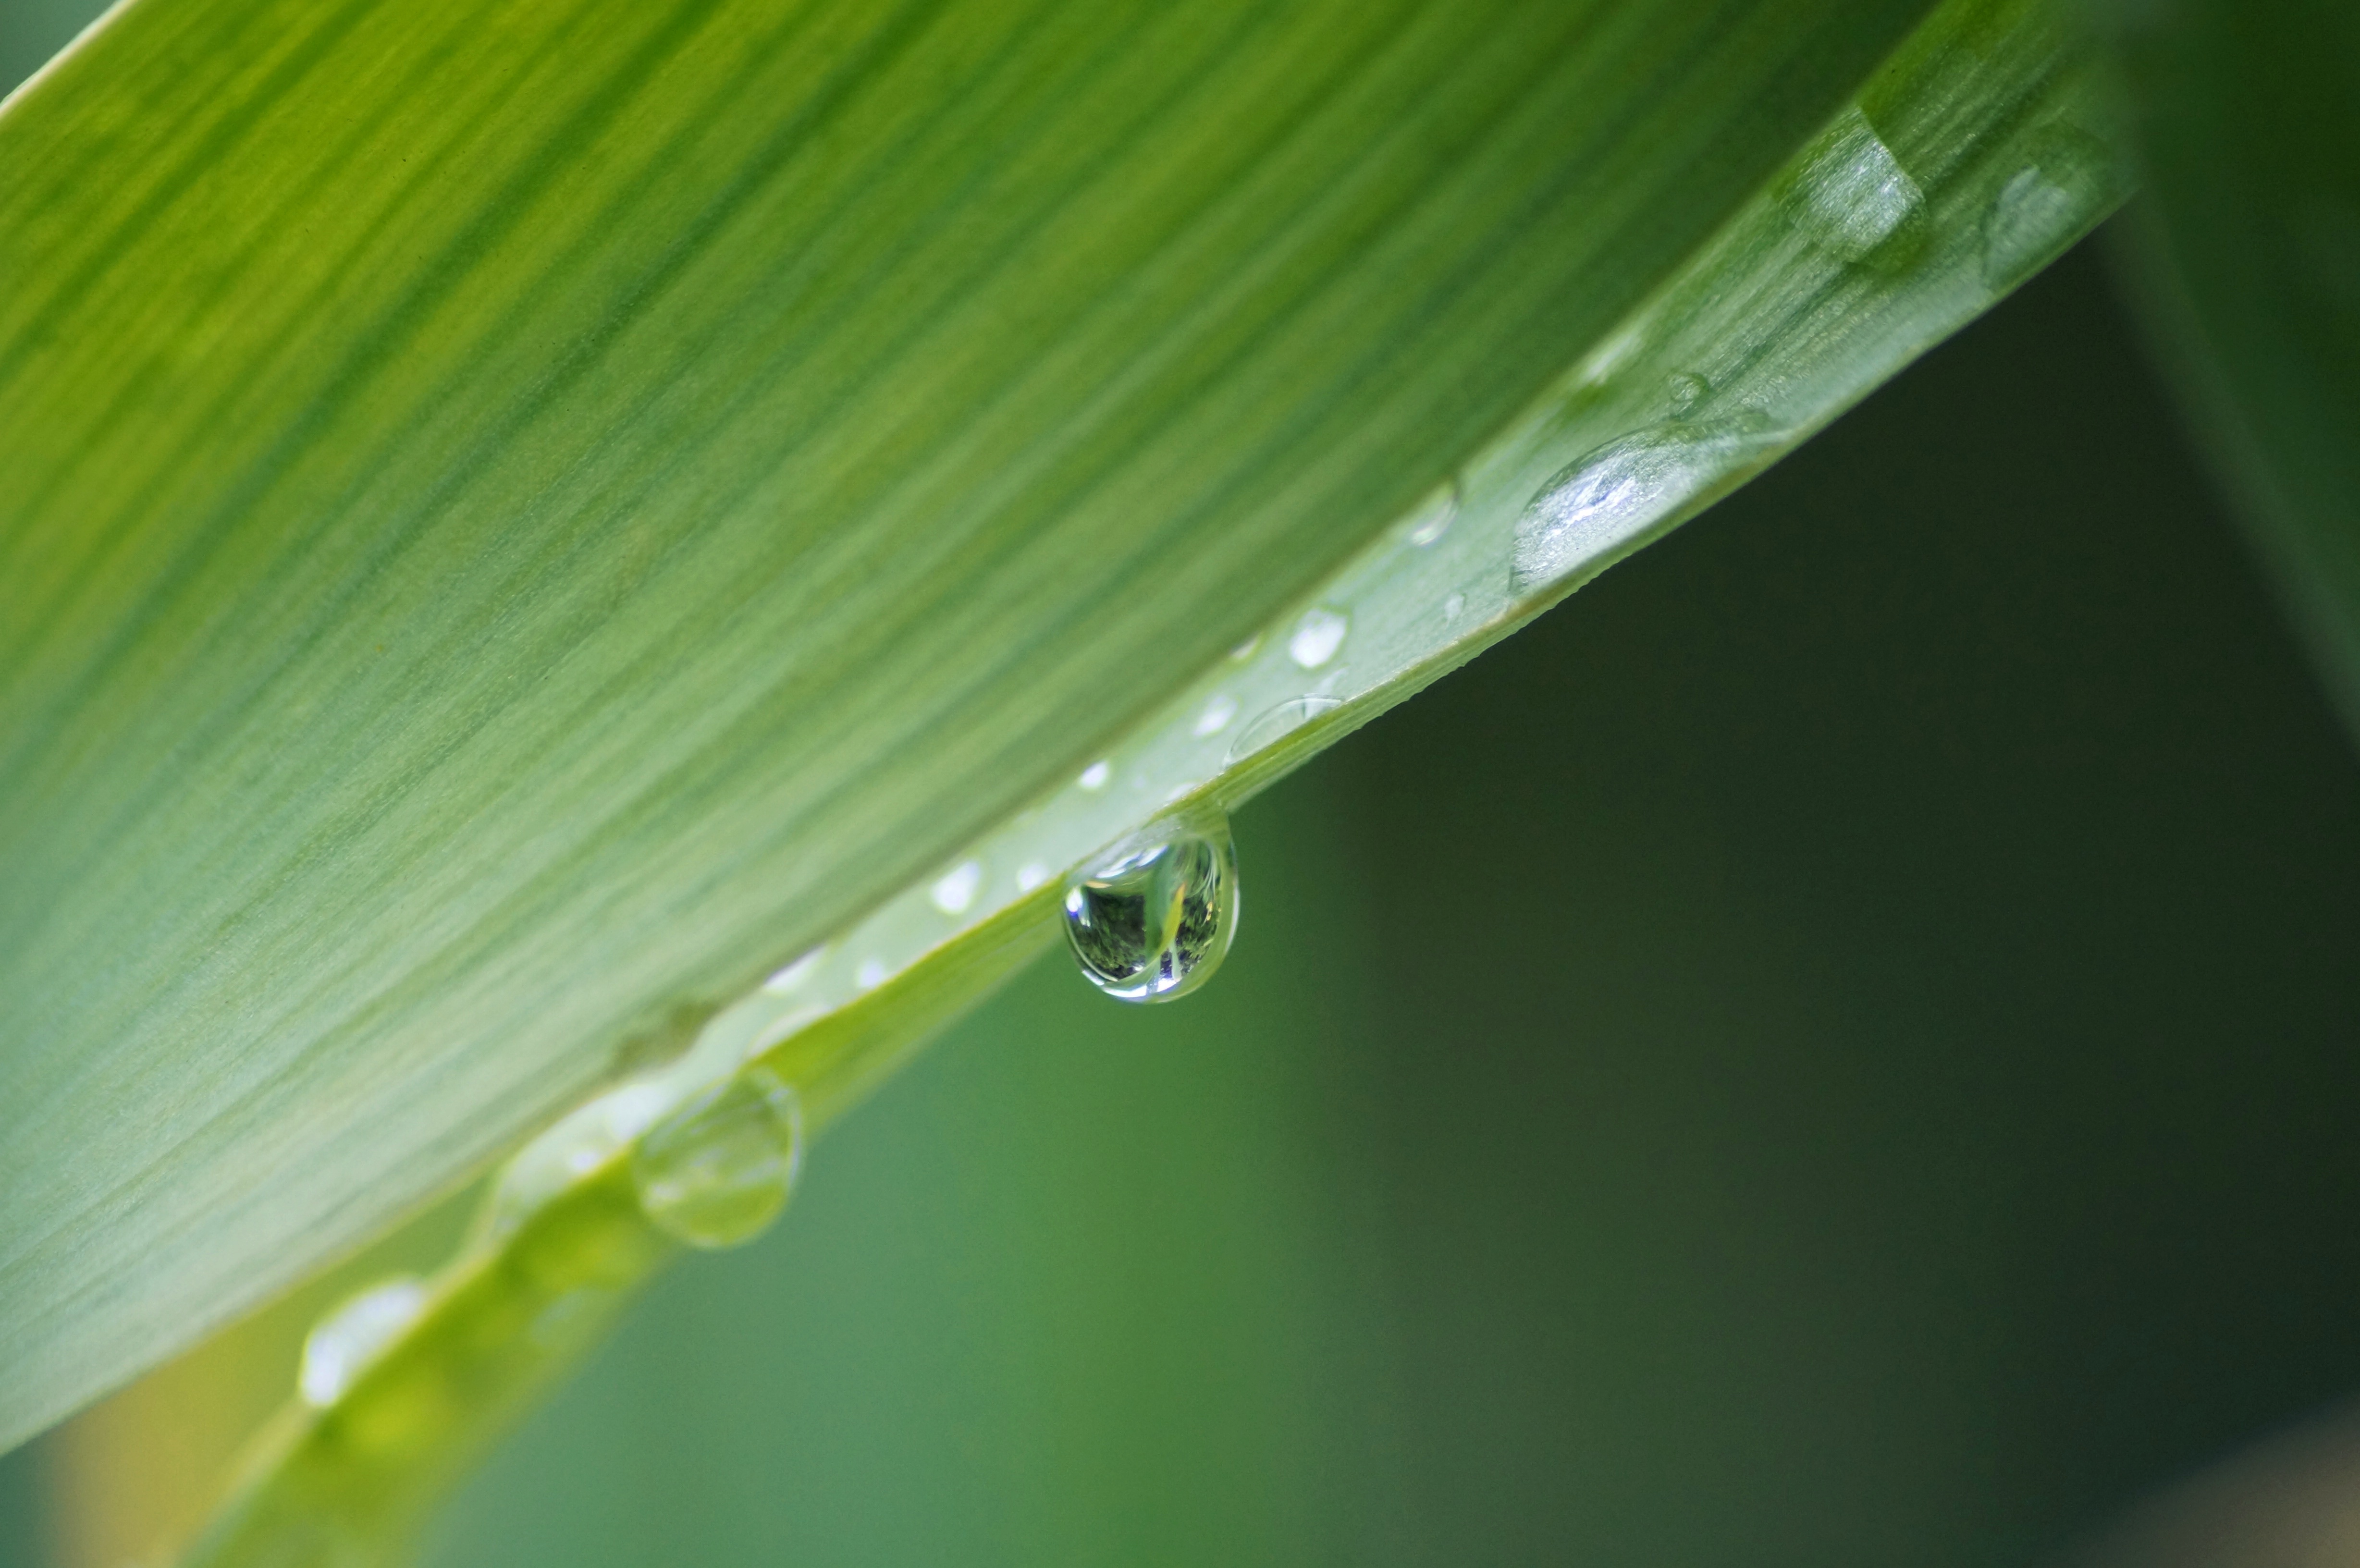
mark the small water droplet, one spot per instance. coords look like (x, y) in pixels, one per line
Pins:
(871, 974)
(1317, 638)
(1683, 390)
(1217, 716)
(1031, 874)
(1245, 649)
(795, 973)
(958, 888)
(1154, 919)
(1607, 497)
(1434, 519)
(1272, 723)
(1096, 775)
(2066, 185)
(1852, 194)
(719, 1171)
(1453, 605)
(343, 1343)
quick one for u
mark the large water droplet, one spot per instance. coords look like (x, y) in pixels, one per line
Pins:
(1852, 194)
(2066, 184)
(1154, 919)
(342, 1344)
(717, 1173)
(1610, 494)
(1272, 724)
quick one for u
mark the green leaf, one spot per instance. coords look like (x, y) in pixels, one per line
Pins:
(530, 523)
(2249, 125)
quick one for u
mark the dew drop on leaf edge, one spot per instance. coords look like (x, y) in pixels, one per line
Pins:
(717, 1172)
(1152, 920)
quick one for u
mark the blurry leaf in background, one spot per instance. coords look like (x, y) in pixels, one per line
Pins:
(1858, 1075)
(2248, 119)
(461, 626)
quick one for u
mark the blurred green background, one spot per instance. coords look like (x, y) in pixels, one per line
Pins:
(1839, 1046)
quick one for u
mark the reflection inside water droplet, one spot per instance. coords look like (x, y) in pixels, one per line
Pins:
(1272, 724)
(1852, 194)
(1154, 919)
(342, 1344)
(719, 1171)
(1609, 495)
(1317, 638)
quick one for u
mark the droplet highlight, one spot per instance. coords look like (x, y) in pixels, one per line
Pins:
(340, 1346)
(1616, 491)
(718, 1172)
(1096, 775)
(1317, 638)
(1152, 920)
(1851, 195)
(1275, 724)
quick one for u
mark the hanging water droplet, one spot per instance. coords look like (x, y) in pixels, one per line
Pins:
(958, 886)
(1272, 723)
(2067, 184)
(719, 1171)
(1434, 519)
(1852, 194)
(1154, 919)
(1317, 638)
(1610, 495)
(342, 1344)
(1683, 390)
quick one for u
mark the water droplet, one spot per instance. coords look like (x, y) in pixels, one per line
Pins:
(1154, 919)
(795, 973)
(342, 1344)
(1434, 519)
(1217, 716)
(871, 974)
(1852, 194)
(1096, 775)
(956, 889)
(1453, 605)
(1245, 649)
(1317, 638)
(1684, 389)
(1273, 723)
(1031, 874)
(1612, 494)
(2046, 204)
(719, 1171)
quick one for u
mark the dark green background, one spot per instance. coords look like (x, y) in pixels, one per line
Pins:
(1838, 1046)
